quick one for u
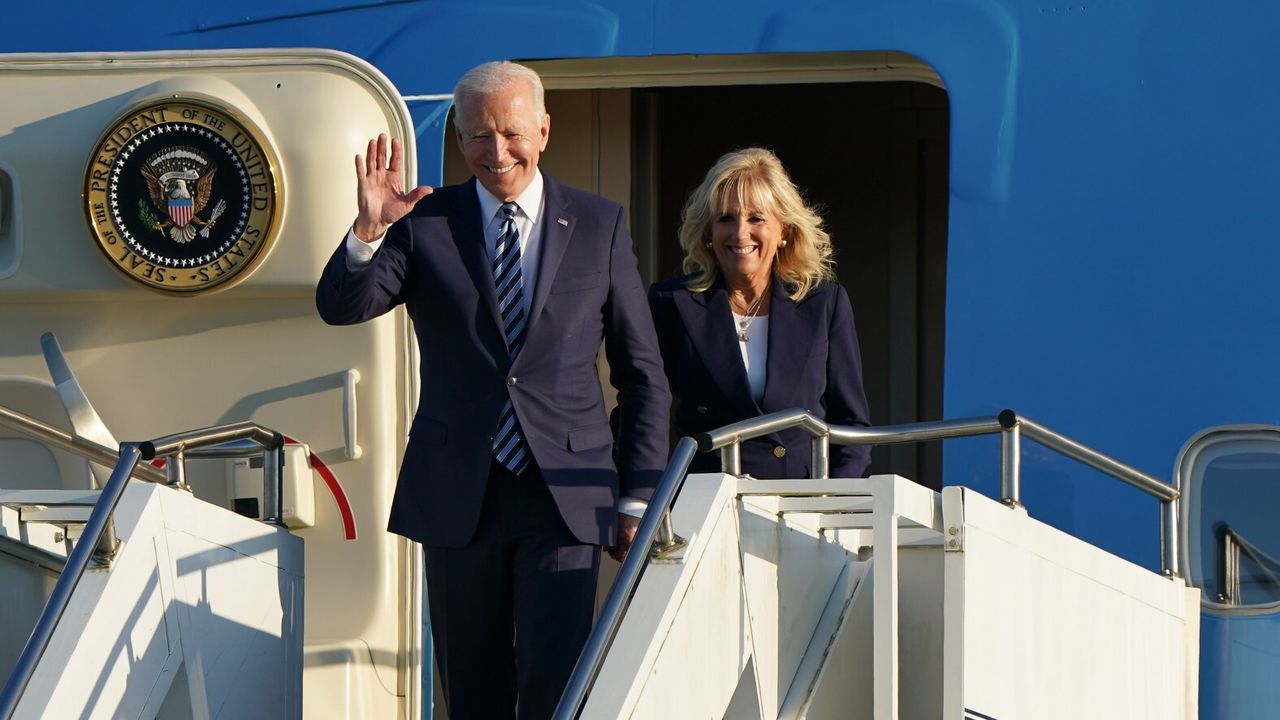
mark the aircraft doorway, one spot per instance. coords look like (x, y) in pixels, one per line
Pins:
(873, 158)
(872, 155)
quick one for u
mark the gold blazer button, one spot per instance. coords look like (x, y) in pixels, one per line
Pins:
(702, 410)
(779, 452)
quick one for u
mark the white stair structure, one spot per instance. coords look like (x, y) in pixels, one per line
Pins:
(879, 598)
(198, 615)
(823, 598)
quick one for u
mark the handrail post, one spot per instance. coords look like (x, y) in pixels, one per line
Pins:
(820, 456)
(1169, 537)
(1010, 459)
(108, 543)
(666, 540)
(175, 470)
(1230, 568)
(272, 486)
(731, 459)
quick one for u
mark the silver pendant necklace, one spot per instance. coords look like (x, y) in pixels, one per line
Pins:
(745, 323)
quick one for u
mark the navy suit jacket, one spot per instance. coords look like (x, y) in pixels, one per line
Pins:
(588, 288)
(813, 362)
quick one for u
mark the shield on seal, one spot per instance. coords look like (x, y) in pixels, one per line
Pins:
(181, 210)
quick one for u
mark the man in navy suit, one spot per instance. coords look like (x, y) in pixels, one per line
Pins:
(509, 480)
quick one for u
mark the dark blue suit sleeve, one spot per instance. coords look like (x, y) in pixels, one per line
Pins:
(347, 297)
(635, 369)
(845, 400)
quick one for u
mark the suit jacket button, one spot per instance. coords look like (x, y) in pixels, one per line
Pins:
(512, 380)
(702, 410)
(779, 452)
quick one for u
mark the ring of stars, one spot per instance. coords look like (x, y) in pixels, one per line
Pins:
(116, 211)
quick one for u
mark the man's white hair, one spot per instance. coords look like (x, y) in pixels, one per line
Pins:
(492, 77)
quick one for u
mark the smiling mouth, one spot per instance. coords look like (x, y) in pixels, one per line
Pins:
(500, 170)
(741, 250)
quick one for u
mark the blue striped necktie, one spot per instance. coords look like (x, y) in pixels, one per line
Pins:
(509, 445)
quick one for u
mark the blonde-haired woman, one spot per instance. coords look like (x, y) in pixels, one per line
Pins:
(758, 324)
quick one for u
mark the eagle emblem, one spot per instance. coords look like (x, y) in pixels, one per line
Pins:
(183, 195)
(180, 181)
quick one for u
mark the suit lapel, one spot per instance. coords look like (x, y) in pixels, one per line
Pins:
(709, 322)
(557, 228)
(467, 228)
(791, 336)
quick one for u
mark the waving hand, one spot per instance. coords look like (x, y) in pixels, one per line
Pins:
(379, 196)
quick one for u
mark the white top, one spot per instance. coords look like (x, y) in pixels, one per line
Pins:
(755, 351)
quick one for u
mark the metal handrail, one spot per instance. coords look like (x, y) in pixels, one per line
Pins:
(202, 442)
(98, 529)
(728, 440)
(1234, 545)
(77, 562)
(87, 449)
(624, 585)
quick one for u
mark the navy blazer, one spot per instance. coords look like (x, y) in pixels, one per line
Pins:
(588, 288)
(813, 362)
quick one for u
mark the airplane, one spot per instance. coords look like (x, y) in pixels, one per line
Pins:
(1059, 208)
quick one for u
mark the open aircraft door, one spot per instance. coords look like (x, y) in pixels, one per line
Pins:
(166, 216)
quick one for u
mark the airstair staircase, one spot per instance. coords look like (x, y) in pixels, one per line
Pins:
(139, 599)
(881, 599)
(197, 615)
(818, 598)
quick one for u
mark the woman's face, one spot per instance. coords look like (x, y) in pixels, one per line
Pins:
(745, 241)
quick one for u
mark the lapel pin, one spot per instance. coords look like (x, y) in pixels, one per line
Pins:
(563, 222)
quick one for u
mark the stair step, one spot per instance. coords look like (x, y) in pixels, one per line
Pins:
(43, 538)
(56, 515)
(32, 498)
(53, 507)
(45, 521)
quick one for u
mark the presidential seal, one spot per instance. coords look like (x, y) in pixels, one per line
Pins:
(182, 195)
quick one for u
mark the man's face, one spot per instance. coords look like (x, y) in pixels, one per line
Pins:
(502, 139)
